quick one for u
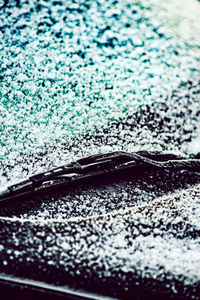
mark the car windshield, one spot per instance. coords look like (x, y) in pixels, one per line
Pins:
(80, 78)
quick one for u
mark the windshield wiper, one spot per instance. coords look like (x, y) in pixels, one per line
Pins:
(93, 166)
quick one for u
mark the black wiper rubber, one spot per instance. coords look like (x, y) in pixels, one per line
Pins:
(31, 289)
(93, 166)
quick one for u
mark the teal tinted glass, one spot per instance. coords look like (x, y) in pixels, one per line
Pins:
(74, 67)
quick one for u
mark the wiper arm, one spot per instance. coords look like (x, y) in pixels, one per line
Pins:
(97, 165)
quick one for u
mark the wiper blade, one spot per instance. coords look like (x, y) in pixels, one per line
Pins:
(97, 165)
